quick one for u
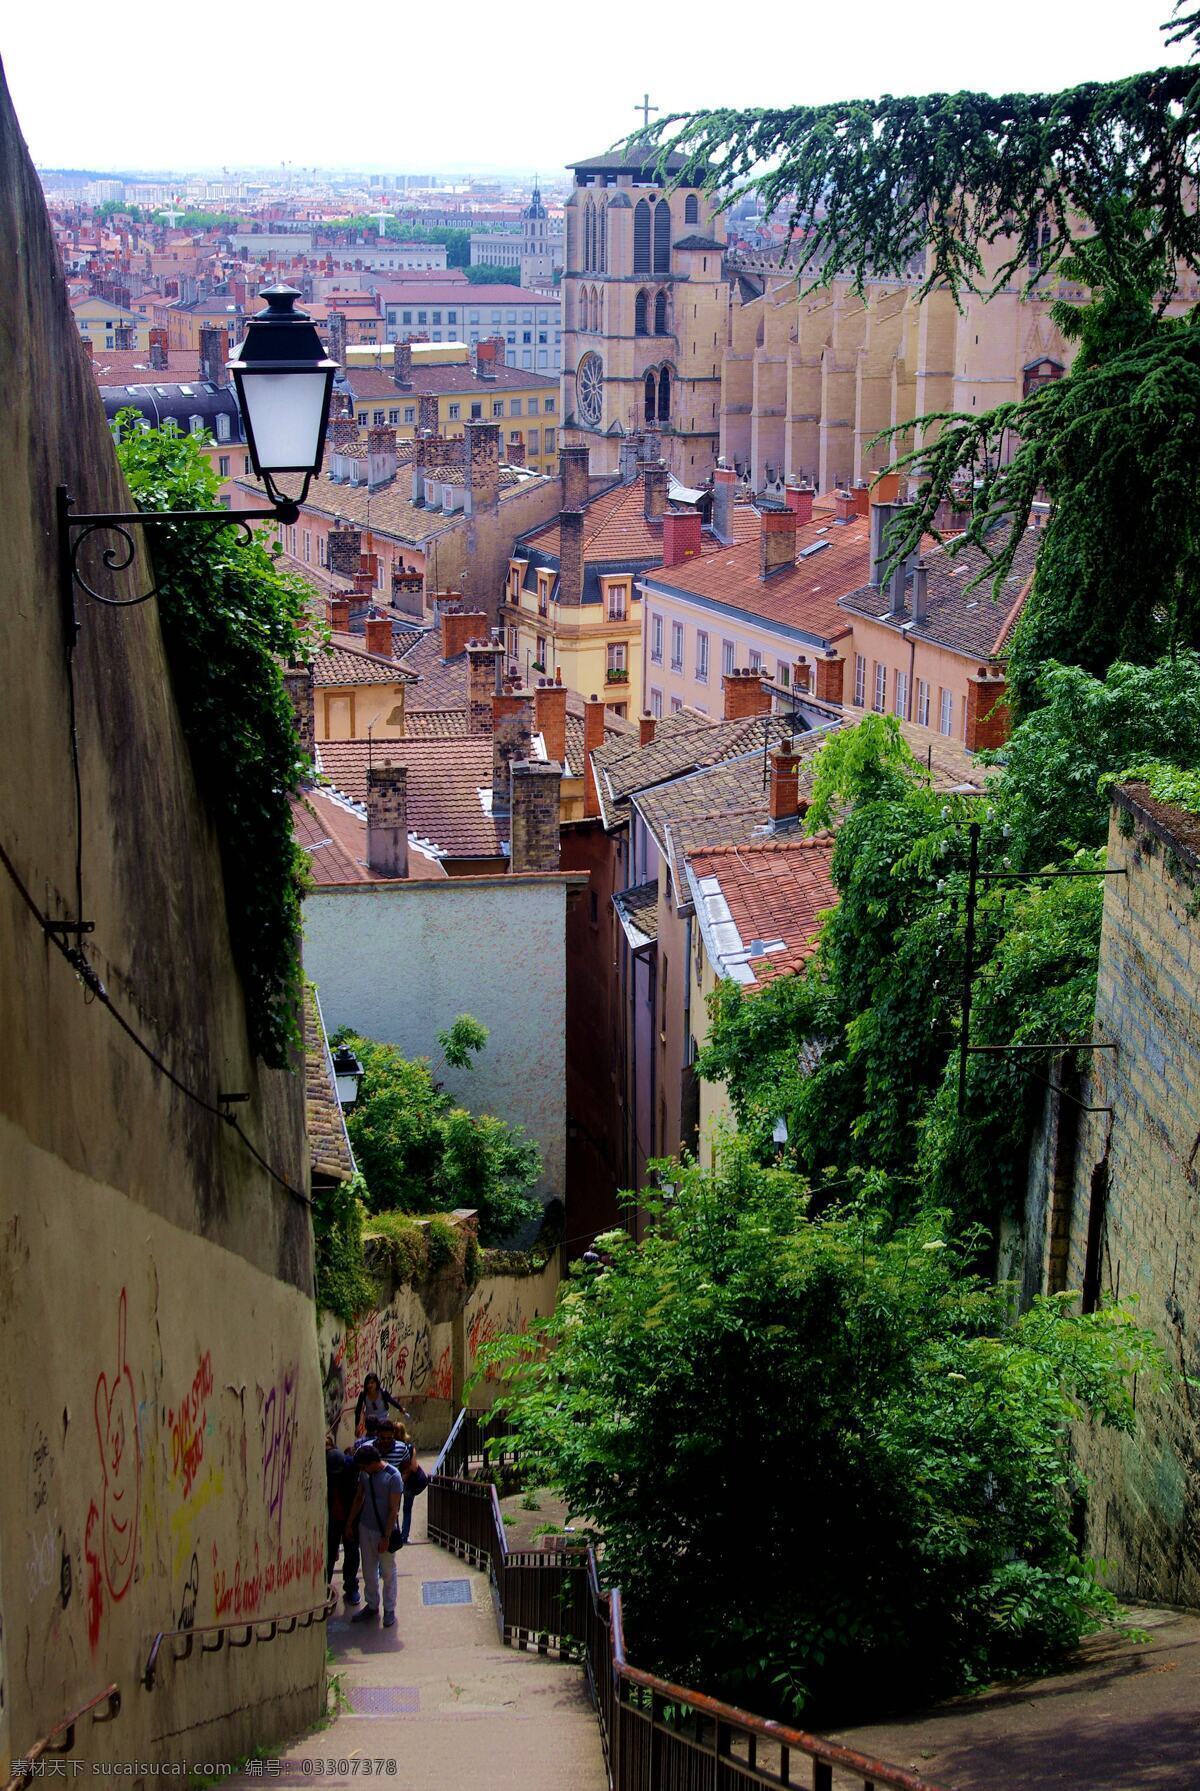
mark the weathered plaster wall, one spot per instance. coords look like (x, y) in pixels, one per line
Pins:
(501, 1305)
(1136, 1196)
(399, 962)
(159, 1395)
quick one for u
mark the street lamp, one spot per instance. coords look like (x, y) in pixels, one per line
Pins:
(347, 1074)
(284, 380)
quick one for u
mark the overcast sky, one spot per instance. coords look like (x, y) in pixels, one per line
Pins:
(506, 85)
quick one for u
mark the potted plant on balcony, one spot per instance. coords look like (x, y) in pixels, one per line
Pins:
(617, 674)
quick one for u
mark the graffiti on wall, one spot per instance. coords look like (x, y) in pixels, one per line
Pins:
(241, 1587)
(280, 1423)
(111, 1533)
(187, 1422)
(490, 1315)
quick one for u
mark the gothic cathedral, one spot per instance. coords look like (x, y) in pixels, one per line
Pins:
(645, 316)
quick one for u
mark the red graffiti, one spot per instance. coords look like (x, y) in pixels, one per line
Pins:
(240, 1592)
(121, 1464)
(241, 1596)
(441, 1385)
(95, 1587)
(187, 1425)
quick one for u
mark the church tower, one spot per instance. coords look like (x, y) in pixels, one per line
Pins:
(645, 309)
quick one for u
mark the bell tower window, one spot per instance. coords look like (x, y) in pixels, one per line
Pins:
(641, 237)
(650, 396)
(662, 237)
(660, 314)
(664, 395)
(640, 308)
(691, 209)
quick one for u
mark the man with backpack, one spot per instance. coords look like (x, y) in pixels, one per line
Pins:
(376, 1510)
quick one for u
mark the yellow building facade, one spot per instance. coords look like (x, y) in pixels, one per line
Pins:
(595, 648)
(442, 390)
(99, 322)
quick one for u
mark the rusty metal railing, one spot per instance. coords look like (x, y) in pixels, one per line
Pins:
(249, 1630)
(103, 1708)
(655, 1736)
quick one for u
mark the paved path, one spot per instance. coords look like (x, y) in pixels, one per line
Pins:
(1127, 1719)
(442, 1696)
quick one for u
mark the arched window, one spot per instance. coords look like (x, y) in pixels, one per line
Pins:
(649, 407)
(601, 238)
(660, 314)
(691, 209)
(640, 307)
(589, 236)
(641, 237)
(662, 237)
(597, 308)
(664, 395)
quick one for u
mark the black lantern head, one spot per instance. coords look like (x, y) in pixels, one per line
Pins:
(284, 380)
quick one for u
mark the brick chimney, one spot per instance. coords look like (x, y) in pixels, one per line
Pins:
(681, 536)
(298, 681)
(335, 337)
(799, 500)
(534, 838)
(89, 347)
(427, 413)
(777, 542)
(483, 662)
(512, 738)
(213, 354)
(402, 365)
(988, 718)
(783, 800)
(483, 469)
(158, 350)
(862, 498)
(646, 726)
(387, 820)
(514, 452)
(339, 615)
(570, 557)
(724, 486)
(123, 336)
(593, 740)
(345, 551)
(656, 481)
(379, 636)
(458, 626)
(829, 684)
(844, 509)
(550, 718)
(745, 694)
(573, 475)
(801, 673)
(886, 489)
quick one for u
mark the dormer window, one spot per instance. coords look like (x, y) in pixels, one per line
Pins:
(223, 428)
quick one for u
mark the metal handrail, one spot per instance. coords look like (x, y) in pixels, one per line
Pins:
(284, 1625)
(61, 1739)
(606, 1609)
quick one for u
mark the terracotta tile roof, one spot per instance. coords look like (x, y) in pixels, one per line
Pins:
(389, 509)
(329, 1150)
(334, 835)
(805, 597)
(615, 530)
(759, 907)
(339, 665)
(973, 623)
(624, 768)
(450, 379)
(435, 724)
(131, 367)
(637, 911)
(441, 683)
(445, 778)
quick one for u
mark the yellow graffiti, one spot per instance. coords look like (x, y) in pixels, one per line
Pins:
(206, 1489)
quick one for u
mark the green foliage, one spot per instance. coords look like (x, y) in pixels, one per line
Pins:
(488, 273)
(824, 1464)
(1167, 783)
(230, 617)
(342, 1283)
(441, 1242)
(1085, 730)
(858, 1052)
(462, 1041)
(407, 1250)
(420, 1153)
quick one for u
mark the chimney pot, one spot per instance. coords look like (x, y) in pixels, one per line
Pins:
(646, 726)
(777, 542)
(593, 740)
(379, 636)
(784, 793)
(550, 718)
(387, 820)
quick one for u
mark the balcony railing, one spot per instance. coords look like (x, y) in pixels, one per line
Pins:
(656, 1736)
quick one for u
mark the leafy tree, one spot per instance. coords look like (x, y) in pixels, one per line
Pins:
(819, 1454)
(487, 273)
(230, 618)
(1095, 184)
(420, 1153)
(342, 1284)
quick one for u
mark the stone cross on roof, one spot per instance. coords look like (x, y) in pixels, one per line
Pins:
(645, 108)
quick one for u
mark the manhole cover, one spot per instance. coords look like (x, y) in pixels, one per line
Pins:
(385, 1700)
(446, 1591)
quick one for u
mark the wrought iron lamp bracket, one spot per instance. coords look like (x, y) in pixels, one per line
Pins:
(74, 531)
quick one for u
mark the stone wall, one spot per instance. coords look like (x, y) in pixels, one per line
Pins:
(1133, 1224)
(160, 1401)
